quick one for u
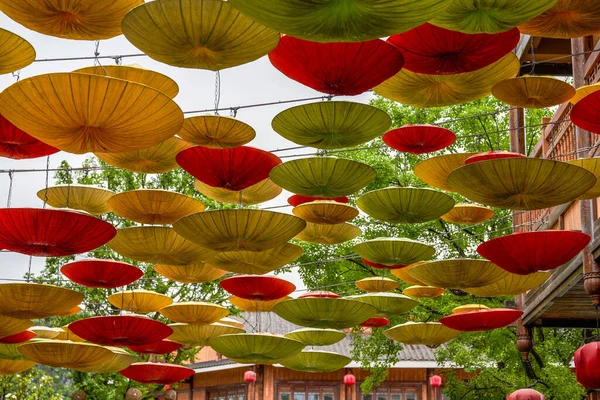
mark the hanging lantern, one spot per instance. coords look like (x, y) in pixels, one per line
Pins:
(36, 301)
(582, 91)
(17, 144)
(435, 381)
(328, 234)
(493, 155)
(250, 377)
(376, 284)
(255, 305)
(481, 320)
(586, 112)
(139, 301)
(66, 354)
(90, 199)
(592, 165)
(434, 171)
(11, 326)
(526, 394)
(349, 380)
(375, 322)
(331, 124)
(164, 346)
(533, 91)
(423, 292)
(419, 139)
(257, 262)
(194, 312)
(316, 336)
(316, 361)
(587, 361)
(16, 52)
(134, 394)
(458, 273)
(200, 335)
(20, 337)
(511, 285)
(325, 212)
(193, 273)
(325, 312)
(388, 304)
(468, 214)
(404, 274)
(297, 200)
(157, 374)
(394, 251)
(252, 287)
(429, 49)
(567, 19)
(421, 333)
(105, 274)
(258, 193)
(216, 132)
(256, 348)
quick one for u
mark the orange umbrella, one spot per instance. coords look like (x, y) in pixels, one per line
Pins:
(434, 171)
(328, 234)
(93, 200)
(257, 262)
(567, 19)
(377, 284)
(325, 212)
(15, 52)
(139, 301)
(192, 273)
(468, 214)
(216, 132)
(423, 292)
(533, 91)
(259, 193)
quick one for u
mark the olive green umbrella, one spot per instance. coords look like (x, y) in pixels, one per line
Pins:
(257, 262)
(316, 361)
(316, 336)
(423, 333)
(511, 285)
(458, 273)
(256, 348)
(388, 304)
(434, 171)
(394, 251)
(328, 234)
(199, 335)
(325, 312)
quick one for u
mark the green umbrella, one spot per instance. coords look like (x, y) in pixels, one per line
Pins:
(458, 273)
(388, 304)
(316, 361)
(199, 335)
(325, 312)
(316, 336)
(423, 333)
(256, 348)
(394, 251)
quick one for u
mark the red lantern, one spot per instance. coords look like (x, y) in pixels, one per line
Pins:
(257, 287)
(586, 113)
(250, 376)
(319, 294)
(164, 346)
(481, 320)
(375, 322)
(526, 394)
(346, 69)
(167, 387)
(587, 365)
(18, 145)
(419, 139)
(104, 274)
(349, 380)
(236, 168)
(429, 49)
(20, 337)
(493, 155)
(528, 252)
(435, 381)
(159, 374)
(382, 266)
(297, 200)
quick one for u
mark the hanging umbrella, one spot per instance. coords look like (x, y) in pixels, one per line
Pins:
(199, 335)
(297, 200)
(90, 199)
(345, 21)
(258, 193)
(423, 292)
(253, 287)
(257, 262)
(404, 274)
(109, 115)
(44, 332)
(210, 34)
(18, 145)
(156, 159)
(331, 124)
(192, 273)
(157, 244)
(139, 301)
(346, 69)
(66, 354)
(468, 214)
(255, 305)
(434, 171)
(482, 320)
(256, 348)
(316, 361)
(121, 359)
(9, 367)
(377, 284)
(328, 234)
(388, 304)
(20, 337)
(469, 308)
(11, 326)
(493, 155)
(319, 294)
(421, 333)
(194, 312)
(157, 374)
(35, 301)
(325, 312)
(164, 346)
(316, 336)
(153, 206)
(10, 352)
(458, 273)
(16, 53)
(325, 212)
(567, 19)
(488, 16)
(375, 322)
(527, 252)
(511, 285)
(533, 91)
(394, 251)
(241, 229)
(422, 90)
(521, 183)
(399, 205)
(66, 334)
(419, 139)
(592, 165)
(104, 274)
(216, 132)
(586, 112)
(429, 49)
(231, 322)
(323, 176)
(582, 91)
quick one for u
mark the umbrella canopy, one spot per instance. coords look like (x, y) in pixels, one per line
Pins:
(325, 212)
(257, 262)
(258, 193)
(10, 326)
(346, 69)
(10, 352)
(521, 183)
(399, 205)
(388, 304)
(256, 348)
(394, 251)
(377, 284)
(71, 19)
(90, 199)
(328, 234)
(104, 274)
(120, 330)
(511, 285)
(199, 335)
(429, 49)
(216, 132)
(139, 301)
(533, 91)
(423, 292)
(404, 274)
(567, 19)
(44, 332)
(316, 336)
(158, 374)
(20, 337)
(9, 367)
(375, 322)
(419, 139)
(493, 155)
(231, 322)
(153, 206)
(35, 301)
(241, 229)
(592, 165)
(527, 252)
(297, 200)
(157, 244)
(316, 361)
(323, 176)
(121, 359)
(331, 124)
(66, 334)
(16, 52)
(319, 294)
(582, 91)
(255, 305)
(468, 214)
(194, 312)
(256, 287)
(482, 320)
(164, 346)
(192, 273)
(51, 233)
(458, 273)
(421, 333)
(325, 312)
(469, 308)
(210, 34)
(434, 171)
(586, 112)
(66, 354)
(156, 159)
(109, 116)
(19, 145)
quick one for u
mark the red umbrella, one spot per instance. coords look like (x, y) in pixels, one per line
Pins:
(587, 365)
(493, 155)
(319, 294)
(432, 50)
(382, 266)
(258, 287)
(586, 113)
(346, 69)
(481, 320)
(375, 322)
(52, 233)
(164, 346)
(20, 337)
(18, 145)
(104, 274)
(526, 394)
(235, 168)
(297, 200)
(528, 252)
(120, 330)
(159, 374)
(419, 139)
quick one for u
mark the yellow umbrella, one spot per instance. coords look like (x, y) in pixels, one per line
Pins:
(206, 34)
(35, 301)
(533, 91)
(139, 301)
(72, 311)
(592, 165)
(421, 90)
(511, 285)
(423, 292)
(154, 206)
(458, 273)
(421, 333)
(521, 183)
(376, 284)
(325, 212)
(567, 19)
(241, 229)
(119, 361)
(81, 113)
(157, 244)
(15, 52)
(316, 361)
(9, 367)
(399, 205)
(255, 305)
(66, 334)
(394, 251)
(11, 326)
(192, 273)
(257, 262)
(468, 214)
(469, 308)
(137, 74)
(404, 275)
(10, 352)
(328, 234)
(66, 354)
(44, 332)
(434, 171)
(156, 159)
(194, 312)
(259, 193)
(231, 322)
(583, 91)
(78, 197)
(216, 132)
(199, 335)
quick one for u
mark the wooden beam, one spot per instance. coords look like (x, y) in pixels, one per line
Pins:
(517, 130)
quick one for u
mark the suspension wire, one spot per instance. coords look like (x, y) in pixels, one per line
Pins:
(47, 175)
(10, 188)
(217, 91)
(97, 62)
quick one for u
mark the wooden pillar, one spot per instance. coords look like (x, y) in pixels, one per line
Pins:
(517, 130)
(268, 383)
(199, 394)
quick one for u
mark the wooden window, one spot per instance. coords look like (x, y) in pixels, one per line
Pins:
(306, 392)
(227, 393)
(400, 392)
